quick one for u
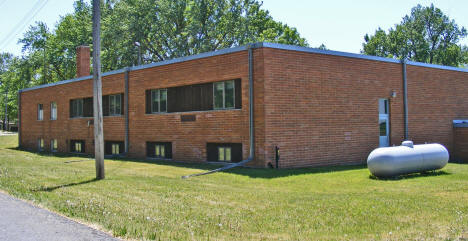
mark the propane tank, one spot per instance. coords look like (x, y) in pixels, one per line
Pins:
(407, 158)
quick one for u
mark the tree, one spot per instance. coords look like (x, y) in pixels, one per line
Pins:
(426, 35)
(165, 29)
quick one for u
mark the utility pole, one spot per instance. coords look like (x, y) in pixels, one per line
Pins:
(139, 52)
(97, 92)
(6, 109)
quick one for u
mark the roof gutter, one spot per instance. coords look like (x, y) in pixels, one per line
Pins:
(251, 124)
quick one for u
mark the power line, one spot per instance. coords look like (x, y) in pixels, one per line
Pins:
(24, 22)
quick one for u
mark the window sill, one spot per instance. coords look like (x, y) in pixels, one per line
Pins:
(195, 111)
(158, 158)
(81, 117)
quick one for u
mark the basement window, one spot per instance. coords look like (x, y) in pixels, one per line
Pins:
(113, 147)
(53, 145)
(159, 101)
(224, 152)
(40, 144)
(159, 150)
(53, 111)
(223, 93)
(40, 112)
(77, 146)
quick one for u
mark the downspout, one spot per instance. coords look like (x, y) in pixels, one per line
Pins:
(126, 96)
(405, 98)
(19, 118)
(251, 124)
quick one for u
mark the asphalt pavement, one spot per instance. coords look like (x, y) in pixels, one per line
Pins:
(20, 221)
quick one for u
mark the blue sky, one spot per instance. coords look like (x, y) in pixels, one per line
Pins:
(340, 25)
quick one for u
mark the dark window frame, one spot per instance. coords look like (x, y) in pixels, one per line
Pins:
(53, 110)
(40, 144)
(77, 108)
(73, 146)
(40, 112)
(212, 152)
(113, 111)
(151, 150)
(158, 92)
(109, 147)
(53, 145)
(224, 83)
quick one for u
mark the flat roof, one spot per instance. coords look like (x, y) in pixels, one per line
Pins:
(243, 48)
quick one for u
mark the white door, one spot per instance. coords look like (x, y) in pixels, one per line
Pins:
(383, 123)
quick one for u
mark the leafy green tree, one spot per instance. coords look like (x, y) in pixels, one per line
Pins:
(426, 35)
(164, 29)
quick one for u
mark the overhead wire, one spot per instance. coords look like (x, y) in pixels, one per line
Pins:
(23, 22)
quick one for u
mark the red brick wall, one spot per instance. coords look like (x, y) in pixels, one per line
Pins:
(460, 143)
(318, 109)
(323, 109)
(435, 98)
(64, 129)
(188, 138)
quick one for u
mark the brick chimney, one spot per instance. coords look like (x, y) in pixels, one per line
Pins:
(82, 61)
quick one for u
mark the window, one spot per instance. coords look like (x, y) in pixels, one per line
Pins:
(40, 144)
(82, 107)
(113, 147)
(76, 108)
(53, 110)
(197, 97)
(159, 149)
(115, 104)
(224, 154)
(224, 94)
(158, 101)
(77, 146)
(40, 112)
(53, 145)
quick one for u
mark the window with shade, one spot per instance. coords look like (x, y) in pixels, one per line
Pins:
(198, 97)
(53, 111)
(53, 145)
(161, 150)
(40, 112)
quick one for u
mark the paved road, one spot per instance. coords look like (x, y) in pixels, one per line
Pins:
(22, 221)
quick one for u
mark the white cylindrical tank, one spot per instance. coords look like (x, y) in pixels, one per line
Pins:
(407, 158)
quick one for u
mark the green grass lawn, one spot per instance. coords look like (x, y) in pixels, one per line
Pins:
(143, 200)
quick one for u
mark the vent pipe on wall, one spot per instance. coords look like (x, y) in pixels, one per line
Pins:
(127, 144)
(251, 123)
(405, 98)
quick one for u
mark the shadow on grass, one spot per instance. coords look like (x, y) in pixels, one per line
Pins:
(52, 188)
(412, 175)
(245, 171)
(54, 154)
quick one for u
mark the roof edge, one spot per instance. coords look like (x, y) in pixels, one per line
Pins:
(245, 47)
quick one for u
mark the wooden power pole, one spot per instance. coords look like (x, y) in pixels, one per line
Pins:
(97, 91)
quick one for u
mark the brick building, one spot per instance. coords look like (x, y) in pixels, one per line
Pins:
(317, 107)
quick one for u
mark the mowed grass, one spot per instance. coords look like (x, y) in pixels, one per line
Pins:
(143, 200)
